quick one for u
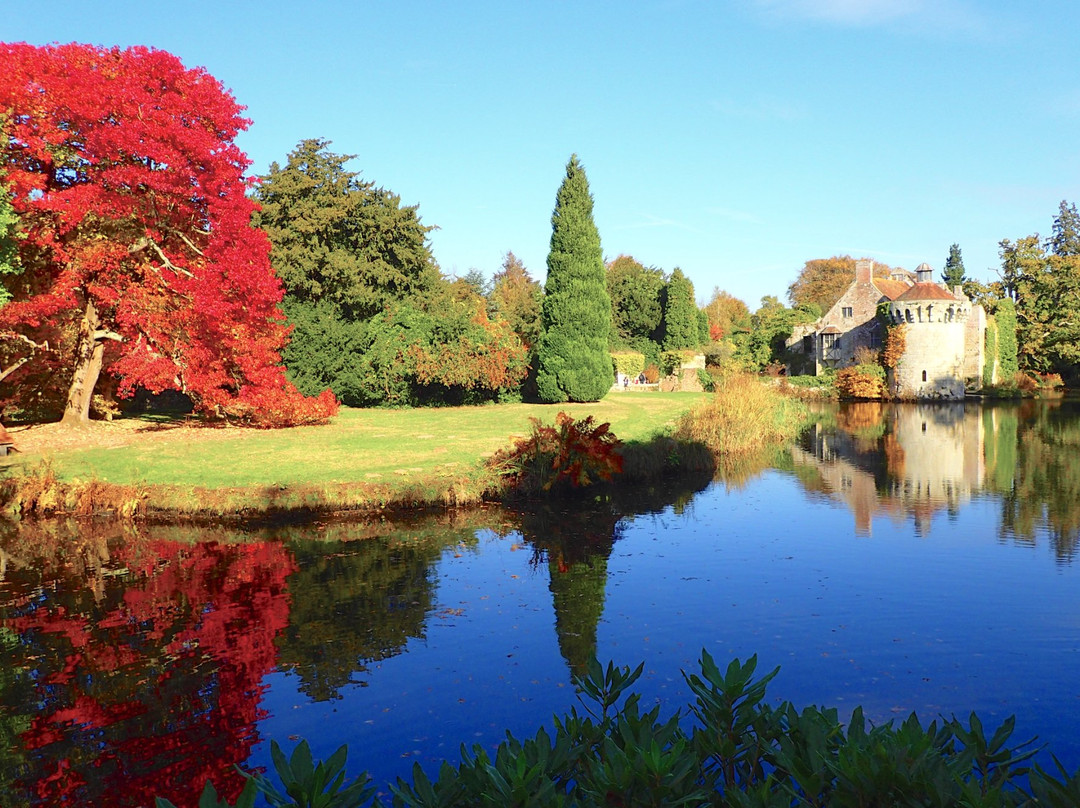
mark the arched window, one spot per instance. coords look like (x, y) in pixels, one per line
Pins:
(907, 313)
(924, 375)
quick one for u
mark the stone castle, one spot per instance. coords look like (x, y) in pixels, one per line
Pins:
(944, 333)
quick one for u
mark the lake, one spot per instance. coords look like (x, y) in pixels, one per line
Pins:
(900, 557)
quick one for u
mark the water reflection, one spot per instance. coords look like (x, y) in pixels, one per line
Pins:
(916, 460)
(132, 666)
(133, 660)
(139, 662)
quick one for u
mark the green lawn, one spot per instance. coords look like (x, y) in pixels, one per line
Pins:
(378, 446)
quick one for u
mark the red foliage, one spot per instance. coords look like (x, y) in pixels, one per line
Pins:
(571, 454)
(131, 199)
(163, 692)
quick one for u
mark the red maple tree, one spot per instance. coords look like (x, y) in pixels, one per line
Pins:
(136, 253)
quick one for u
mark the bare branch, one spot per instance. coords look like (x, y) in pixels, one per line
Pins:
(187, 241)
(8, 371)
(148, 243)
(103, 334)
(34, 348)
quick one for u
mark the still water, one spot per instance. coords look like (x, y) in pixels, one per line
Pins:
(901, 557)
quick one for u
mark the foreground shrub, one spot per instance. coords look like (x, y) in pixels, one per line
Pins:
(571, 454)
(742, 415)
(865, 382)
(729, 747)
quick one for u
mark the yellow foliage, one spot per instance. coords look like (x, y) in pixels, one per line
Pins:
(895, 345)
(860, 382)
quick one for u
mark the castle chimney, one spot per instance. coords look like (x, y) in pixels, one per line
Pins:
(864, 270)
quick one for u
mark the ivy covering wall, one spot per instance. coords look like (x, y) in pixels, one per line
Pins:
(991, 356)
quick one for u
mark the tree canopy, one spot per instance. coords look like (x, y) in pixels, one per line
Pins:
(636, 292)
(135, 239)
(822, 281)
(573, 363)
(727, 314)
(516, 298)
(1043, 278)
(337, 238)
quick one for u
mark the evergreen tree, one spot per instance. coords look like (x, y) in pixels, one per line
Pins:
(953, 274)
(338, 239)
(680, 313)
(572, 359)
(636, 310)
(1065, 240)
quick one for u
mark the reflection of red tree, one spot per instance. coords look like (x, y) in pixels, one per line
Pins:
(152, 690)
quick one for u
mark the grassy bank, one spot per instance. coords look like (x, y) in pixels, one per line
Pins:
(362, 460)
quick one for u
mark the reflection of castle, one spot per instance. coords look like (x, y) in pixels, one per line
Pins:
(898, 460)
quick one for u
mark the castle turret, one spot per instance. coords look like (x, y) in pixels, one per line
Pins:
(935, 337)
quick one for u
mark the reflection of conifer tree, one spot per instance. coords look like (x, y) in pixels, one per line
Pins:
(999, 446)
(577, 590)
(576, 541)
(576, 538)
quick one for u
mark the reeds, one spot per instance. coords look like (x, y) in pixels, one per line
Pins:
(744, 415)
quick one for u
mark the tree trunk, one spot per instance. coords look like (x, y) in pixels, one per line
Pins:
(88, 358)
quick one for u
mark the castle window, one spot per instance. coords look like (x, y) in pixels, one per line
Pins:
(924, 375)
(847, 312)
(907, 314)
(830, 343)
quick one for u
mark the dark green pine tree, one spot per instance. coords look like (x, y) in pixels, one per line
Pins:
(572, 359)
(680, 313)
(953, 274)
(1065, 240)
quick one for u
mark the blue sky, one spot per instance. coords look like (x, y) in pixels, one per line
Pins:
(735, 139)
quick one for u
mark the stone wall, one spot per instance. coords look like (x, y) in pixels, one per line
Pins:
(932, 366)
(974, 347)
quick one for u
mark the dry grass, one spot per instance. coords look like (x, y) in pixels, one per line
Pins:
(744, 415)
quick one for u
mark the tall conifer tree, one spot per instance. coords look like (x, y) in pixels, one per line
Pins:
(572, 358)
(681, 328)
(953, 274)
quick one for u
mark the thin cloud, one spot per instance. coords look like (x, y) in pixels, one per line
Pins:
(928, 17)
(843, 12)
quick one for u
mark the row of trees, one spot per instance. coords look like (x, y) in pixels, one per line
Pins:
(375, 321)
(1042, 278)
(134, 255)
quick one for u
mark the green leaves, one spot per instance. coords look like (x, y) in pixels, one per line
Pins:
(311, 785)
(210, 799)
(740, 752)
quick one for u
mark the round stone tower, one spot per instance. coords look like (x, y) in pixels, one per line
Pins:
(933, 363)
